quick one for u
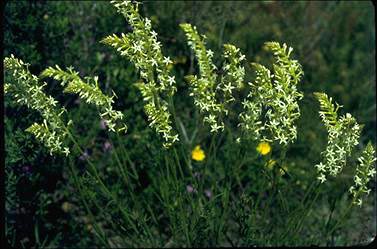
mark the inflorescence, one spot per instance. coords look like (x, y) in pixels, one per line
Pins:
(211, 98)
(343, 135)
(277, 94)
(91, 93)
(27, 90)
(143, 49)
(364, 172)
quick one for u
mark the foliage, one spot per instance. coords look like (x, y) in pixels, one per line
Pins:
(207, 189)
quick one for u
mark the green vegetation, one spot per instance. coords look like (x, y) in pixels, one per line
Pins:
(189, 124)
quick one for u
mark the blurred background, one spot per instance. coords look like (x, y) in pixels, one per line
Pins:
(333, 40)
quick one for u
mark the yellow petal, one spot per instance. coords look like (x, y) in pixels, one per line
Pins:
(197, 154)
(264, 148)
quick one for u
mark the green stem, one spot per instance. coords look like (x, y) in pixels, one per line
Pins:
(128, 159)
(303, 206)
(98, 229)
(93, 168)
(121, 170)
(178, 163)
(102, 185)
(340, 220)
(306, 212)
(212, 143)
(331, 215)
(125, 177)
(182, 148)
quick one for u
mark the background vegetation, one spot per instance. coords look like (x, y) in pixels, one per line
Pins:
(334, 41)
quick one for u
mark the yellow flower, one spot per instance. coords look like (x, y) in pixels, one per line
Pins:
(198, 154)
(264, 148)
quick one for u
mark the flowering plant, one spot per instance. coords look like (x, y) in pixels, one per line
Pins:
(188, 191)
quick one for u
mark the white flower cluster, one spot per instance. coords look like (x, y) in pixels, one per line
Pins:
(205, 100)
(91, 93)
(251, 116)
(343, 135)
(203, 88)
(26, 89)
(364, 172)
(234, 72)
(277, 93)
(158, 114)
(204, 56)
(142, 48)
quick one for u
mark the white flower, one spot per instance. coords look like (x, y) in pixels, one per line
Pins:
(359, 202)
(320, 167)
(215, 127)
(66, 151)
(228, 87)
(209, 53)
(322, 178)
(153, 62)
(153, 34)
(171, 80)
(167, 60)
(156, 45)
(137, 48)
(147, 22)
(371, 172)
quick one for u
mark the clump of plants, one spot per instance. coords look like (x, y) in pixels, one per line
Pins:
(198, 193)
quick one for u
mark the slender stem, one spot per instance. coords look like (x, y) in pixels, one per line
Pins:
(172, 107)
(303, 207)
(340, 220)
(102, 185)
(125, 176)
(98, 229)
(307, 212)
(121, 170)
(178, 164)
(212, 143)
(330, 216)
(93, 167)
(124, 152)
(275, 178)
